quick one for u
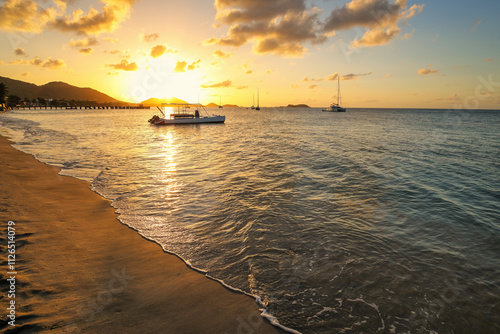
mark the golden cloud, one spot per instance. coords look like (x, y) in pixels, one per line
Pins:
(221, 54)
(377, 36)
(278, 27)
(34, 17)
(151, 37)
(50, 63)
(223, 84)
(380, 17)
(27, 15)
(194, 65)
(19, 52)
(427, 70)
(180, 66)
(86, 51)
(350, 76)
(94, 22)
(160, 50)
(83, 43)
(124, 65)
(53, 63)
(284, 27)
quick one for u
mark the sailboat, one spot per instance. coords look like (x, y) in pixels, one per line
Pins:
(335, 107)
(220, 103)
(257, 108)
(253, 104)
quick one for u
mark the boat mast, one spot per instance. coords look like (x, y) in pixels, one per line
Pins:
(338, 88)
(258, 108)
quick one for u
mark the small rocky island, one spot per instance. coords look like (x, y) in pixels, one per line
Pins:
(297, 106)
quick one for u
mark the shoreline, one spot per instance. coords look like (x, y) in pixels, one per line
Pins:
(79, 270)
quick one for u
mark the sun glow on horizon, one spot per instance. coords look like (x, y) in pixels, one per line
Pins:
(162, 78)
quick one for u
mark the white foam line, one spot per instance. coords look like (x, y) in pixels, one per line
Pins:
(272, 319)
(258, 299)
(276, 323)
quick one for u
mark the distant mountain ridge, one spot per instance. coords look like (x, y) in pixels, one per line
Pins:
(55, 90)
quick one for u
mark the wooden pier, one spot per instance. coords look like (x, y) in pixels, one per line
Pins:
(81, 107)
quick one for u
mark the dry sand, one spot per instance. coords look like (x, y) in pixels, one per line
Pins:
(79, 270)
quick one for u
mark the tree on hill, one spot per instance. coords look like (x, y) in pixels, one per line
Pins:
(14, 100)
(42, 101)
(4, 91)
(55, 103)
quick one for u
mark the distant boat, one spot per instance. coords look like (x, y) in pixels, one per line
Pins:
(181, 115)
(220, 102)
(257, 108)
(335, 107)
(253, 104)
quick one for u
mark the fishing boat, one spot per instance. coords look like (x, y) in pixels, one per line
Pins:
(180, 113)
(335, 107)
(257, 108)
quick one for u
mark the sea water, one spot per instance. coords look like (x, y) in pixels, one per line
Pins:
(373, 221)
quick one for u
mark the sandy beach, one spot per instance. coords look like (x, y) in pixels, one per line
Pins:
(79, 270)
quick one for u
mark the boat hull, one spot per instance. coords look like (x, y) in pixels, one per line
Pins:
(201, 120)
(335, 110)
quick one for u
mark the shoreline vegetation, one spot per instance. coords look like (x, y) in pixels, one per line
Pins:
(79, 270)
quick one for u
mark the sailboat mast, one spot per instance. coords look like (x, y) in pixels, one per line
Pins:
(258, 107)
(338, 88)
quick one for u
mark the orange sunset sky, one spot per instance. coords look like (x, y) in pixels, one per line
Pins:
(388, 53)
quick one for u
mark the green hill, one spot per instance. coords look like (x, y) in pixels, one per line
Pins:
(55, 90)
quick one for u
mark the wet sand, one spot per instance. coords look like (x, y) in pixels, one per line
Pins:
(79, 270)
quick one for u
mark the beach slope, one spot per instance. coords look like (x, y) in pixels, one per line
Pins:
(79, 270)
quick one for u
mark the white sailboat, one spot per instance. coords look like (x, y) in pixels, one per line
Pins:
(335, 107)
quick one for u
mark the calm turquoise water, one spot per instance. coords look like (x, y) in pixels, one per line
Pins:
(368, 221)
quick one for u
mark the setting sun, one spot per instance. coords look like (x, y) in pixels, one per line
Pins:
(165, 77)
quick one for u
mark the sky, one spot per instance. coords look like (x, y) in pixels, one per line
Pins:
(387, 53)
